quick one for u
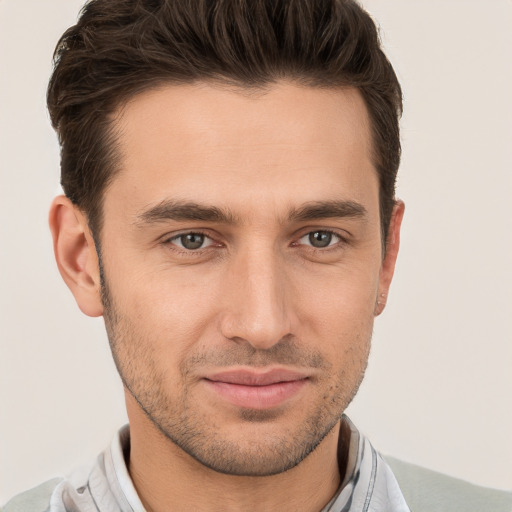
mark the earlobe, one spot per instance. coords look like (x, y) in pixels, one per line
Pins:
(75, 254)
(388, 263)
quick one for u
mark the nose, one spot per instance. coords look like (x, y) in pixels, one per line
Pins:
(255, 305)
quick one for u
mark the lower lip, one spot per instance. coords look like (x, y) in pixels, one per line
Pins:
(257, 397)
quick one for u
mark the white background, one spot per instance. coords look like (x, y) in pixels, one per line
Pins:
(438, 390)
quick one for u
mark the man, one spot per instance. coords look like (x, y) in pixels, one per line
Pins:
(229, 172)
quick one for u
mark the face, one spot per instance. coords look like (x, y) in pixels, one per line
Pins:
(242, 263)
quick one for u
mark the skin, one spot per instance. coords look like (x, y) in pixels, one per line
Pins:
(256, 296)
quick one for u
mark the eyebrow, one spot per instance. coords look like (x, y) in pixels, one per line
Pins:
(184, 211)
(328, 210)
(191, 211)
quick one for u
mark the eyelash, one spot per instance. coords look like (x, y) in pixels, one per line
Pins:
(189, 252)
(342, 241)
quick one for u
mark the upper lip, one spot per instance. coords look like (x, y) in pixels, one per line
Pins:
(246, 377)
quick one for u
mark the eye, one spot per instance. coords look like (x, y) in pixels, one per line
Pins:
(191, 241)
(320, 239)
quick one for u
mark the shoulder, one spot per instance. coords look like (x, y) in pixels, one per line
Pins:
(429, 491)
(33, 500)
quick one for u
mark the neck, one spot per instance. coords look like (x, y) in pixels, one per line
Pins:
(163, 474)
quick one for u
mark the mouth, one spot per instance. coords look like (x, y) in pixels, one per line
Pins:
(253, 389)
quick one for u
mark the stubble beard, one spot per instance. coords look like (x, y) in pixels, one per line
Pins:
(198, 434)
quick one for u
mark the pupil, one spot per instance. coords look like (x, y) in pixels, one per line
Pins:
(192, 241)
(320, 238)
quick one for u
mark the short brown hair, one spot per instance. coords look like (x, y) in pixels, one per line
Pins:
(119, 48)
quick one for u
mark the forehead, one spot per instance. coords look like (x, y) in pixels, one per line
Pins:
(217, 144)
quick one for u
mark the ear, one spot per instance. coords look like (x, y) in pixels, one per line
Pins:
(75, 254)
(388, 263)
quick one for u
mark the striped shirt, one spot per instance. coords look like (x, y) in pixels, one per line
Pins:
(105, 485)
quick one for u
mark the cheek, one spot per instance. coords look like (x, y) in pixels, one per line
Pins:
(169, 310)
(339, 311)
(340, 295)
